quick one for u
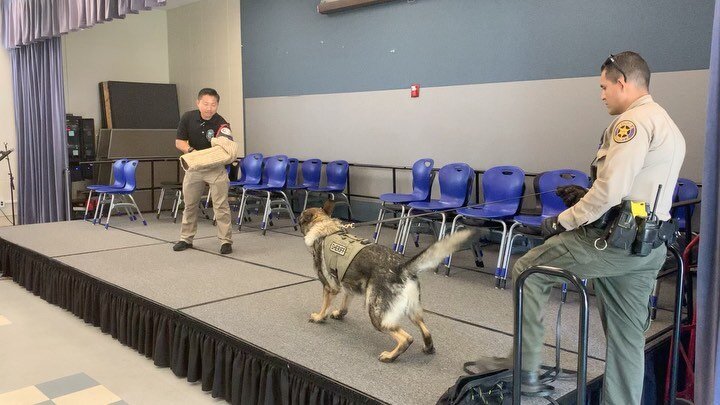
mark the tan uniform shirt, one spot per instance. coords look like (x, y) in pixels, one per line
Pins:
(641, 149)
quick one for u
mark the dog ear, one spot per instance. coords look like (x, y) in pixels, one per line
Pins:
(329, 206)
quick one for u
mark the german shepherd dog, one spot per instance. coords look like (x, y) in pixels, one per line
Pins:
(389, 282)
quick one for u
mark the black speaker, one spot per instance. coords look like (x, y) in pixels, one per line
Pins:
(88, 139)
(73, 133)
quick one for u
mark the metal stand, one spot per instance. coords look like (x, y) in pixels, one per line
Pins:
(582, 336)
(6, 155)
(674, 349)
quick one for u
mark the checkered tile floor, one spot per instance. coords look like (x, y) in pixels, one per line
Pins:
(78, 389)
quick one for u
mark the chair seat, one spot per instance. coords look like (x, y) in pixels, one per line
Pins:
(237, 183)
(261, 187)
(490, 211)
(298, 187)
(326, 189)
(529, 220)
(436, 205)
(95, 187)
(110, 190)
(397, 198)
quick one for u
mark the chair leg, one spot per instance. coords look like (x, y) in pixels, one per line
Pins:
(243, 201)
(453, 228)
(266, 215)
(501, 250)
(307, 193)
(288, 204)
(97, 217)
(378, 226)
(400, 229)
(405, 232)
(177, 206)
(87, 205)
(160, 201)
(501, 273)
(347, 202)
(112, 205)
(137, 209)
(130, 215)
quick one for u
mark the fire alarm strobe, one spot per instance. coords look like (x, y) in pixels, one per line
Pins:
(415, 90)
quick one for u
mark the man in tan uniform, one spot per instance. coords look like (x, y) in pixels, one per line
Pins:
(195, 130)
(641, 149)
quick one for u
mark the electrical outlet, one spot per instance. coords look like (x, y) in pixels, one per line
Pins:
(2, 204)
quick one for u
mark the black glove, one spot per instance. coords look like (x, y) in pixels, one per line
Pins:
(571, 194)
(550, 227)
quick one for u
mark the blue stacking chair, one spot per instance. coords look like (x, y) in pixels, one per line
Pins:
(292, 177)
(336, 173)
(292, 174)
(545, 184)
(275, 175)
(251, 171)
(422, 179)
(311, 171)
(455, 184)
(124, 195)
(502, 188)
(118, 182)
(685, 189)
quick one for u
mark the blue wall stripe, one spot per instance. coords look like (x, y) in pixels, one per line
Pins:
(290, 49)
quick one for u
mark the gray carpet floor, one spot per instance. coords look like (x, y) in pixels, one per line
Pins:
(265, 290)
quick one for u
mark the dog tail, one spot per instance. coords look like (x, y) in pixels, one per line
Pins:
(437, 252)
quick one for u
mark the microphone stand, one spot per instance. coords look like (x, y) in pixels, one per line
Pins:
(6, 155)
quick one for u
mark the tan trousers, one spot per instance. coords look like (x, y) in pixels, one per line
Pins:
(193, 187)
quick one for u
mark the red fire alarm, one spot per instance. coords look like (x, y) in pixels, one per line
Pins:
(414, 90)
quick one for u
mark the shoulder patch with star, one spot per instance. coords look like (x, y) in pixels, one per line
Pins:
(624, 131)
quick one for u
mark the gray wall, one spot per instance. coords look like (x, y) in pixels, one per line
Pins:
(504, 81)
(290, 49)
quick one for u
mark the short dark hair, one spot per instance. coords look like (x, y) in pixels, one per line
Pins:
(209, 92)
(631, 65)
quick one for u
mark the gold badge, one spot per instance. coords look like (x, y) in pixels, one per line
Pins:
(624, 131)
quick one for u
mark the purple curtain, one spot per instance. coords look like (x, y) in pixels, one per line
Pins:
(40, 127)
(707, 359)
(29, 21)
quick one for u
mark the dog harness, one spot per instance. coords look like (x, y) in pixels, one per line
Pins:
(340, 249)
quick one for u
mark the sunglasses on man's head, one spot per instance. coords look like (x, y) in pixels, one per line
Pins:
(611, 61)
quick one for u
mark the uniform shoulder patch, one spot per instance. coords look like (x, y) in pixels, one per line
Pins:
(624, 131)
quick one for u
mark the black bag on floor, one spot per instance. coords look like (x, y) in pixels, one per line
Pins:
(489, 388)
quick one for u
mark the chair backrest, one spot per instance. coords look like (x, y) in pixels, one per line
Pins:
(504, 184)
(311, 172)
(252, 168)
(292, 171)
(546, 184)
(685, 189)
(422, 177)
(129, 170)
(455, 183)
(275, 171)
(337, 173)
(118, 171)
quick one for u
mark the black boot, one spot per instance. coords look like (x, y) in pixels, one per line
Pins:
(182, 245)
(532, 386)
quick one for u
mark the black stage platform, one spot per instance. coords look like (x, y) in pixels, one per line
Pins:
(239, 323)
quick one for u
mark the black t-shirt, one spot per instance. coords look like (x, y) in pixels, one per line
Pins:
(198, 131)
